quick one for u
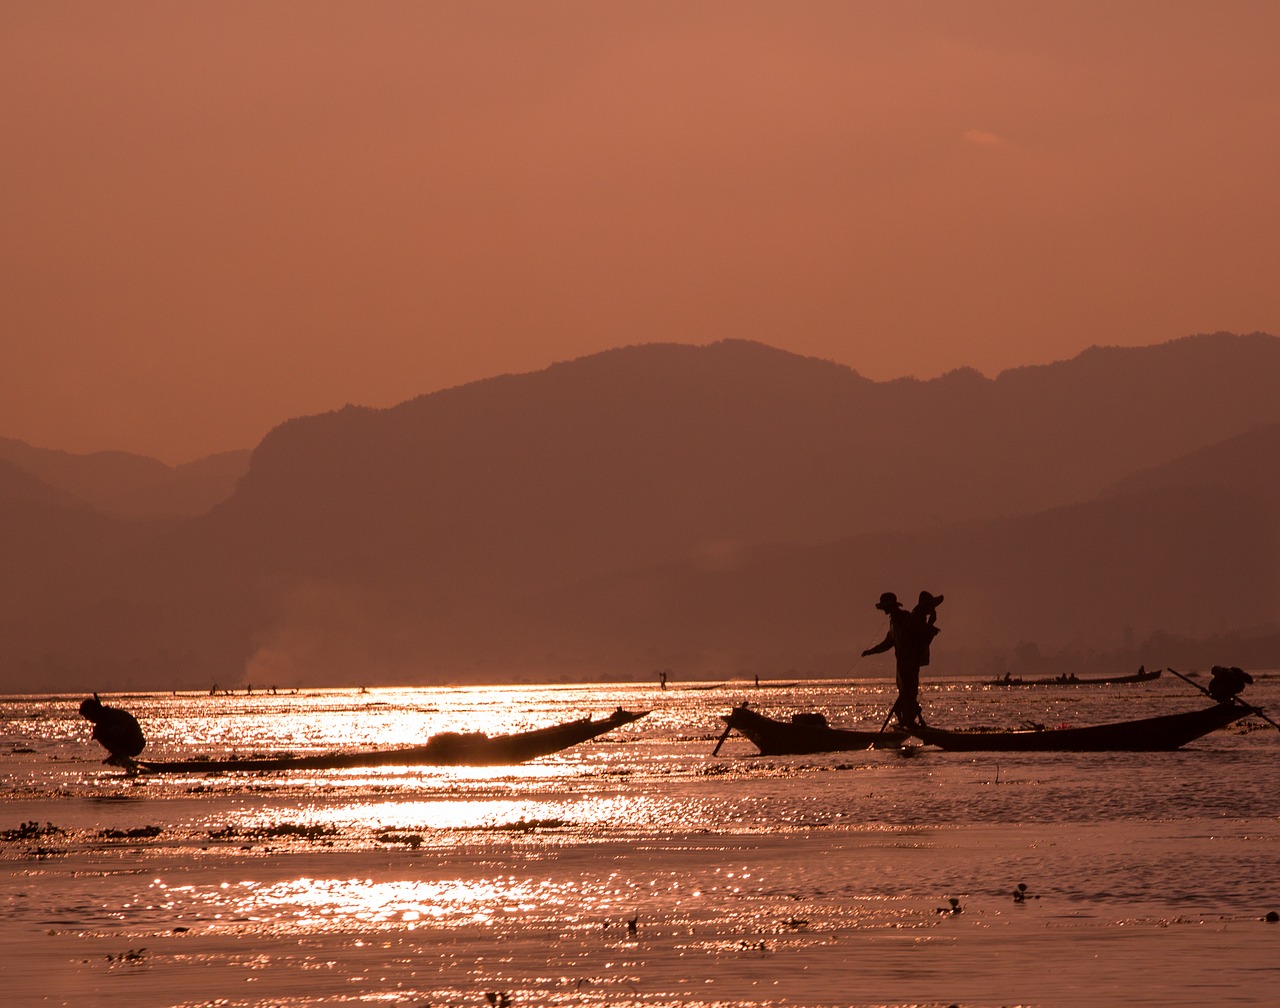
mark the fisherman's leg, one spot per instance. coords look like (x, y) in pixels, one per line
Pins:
(909, 691)
(903, 706)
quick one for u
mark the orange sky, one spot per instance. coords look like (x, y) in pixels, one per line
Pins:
(217, 215)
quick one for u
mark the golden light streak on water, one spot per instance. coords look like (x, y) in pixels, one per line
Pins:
(435, 885)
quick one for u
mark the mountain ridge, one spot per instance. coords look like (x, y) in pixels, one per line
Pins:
(126, 485)
(613, 511)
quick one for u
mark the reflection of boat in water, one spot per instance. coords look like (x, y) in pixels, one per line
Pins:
(804, 734)
(1166, 732)
(1142, 675)
(445, 749)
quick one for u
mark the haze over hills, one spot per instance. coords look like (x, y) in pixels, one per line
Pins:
(1120, 576)
(125, 485)
(718, 510)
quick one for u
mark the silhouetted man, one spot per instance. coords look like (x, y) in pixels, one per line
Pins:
(116, 730)
(909, 635)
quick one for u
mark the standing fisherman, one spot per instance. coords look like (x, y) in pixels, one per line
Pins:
(910, 633)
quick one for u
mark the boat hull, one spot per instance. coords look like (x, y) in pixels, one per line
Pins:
(1155, 734)
(448, 749)
(792, 738)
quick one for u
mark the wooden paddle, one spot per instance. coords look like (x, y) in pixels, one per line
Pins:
(1246, 706)
(723, 735)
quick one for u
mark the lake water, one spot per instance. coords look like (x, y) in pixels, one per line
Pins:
(815, 880)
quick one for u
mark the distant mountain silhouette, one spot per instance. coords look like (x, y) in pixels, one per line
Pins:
(1248, 461)
(59, 556)
(653, 453)
(124, 485)
(1101, 576)
(712, 508)
(17, 484)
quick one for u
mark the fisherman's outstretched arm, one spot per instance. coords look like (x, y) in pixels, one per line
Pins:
(884, 645)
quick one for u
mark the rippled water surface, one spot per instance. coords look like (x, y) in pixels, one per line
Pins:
(749, 880)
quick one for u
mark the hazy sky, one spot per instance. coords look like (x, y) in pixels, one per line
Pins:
(217, 215)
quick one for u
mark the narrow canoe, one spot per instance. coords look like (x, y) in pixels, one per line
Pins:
(805, 734)
(1163, 733)
(446, 749)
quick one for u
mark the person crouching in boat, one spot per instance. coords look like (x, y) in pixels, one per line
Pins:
(1227, 682)
(116, 730)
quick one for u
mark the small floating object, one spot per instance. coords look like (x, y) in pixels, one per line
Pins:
(954, 908)
(132, 956)
(1272, 917)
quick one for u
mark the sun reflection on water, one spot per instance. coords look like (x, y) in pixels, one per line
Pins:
(321, 904)
(632, 863)
(479, 813)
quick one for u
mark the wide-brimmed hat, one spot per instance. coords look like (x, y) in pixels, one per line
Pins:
(928, 601)
(888, 601)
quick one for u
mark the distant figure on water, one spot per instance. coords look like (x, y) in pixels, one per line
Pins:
(910, 634)
(116, 730)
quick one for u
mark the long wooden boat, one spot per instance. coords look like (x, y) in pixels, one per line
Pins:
(1163, 733)
(445, 749)
(1141, 676)
(805, 734)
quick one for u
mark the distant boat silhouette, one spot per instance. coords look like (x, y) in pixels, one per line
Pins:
(1142, 675)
